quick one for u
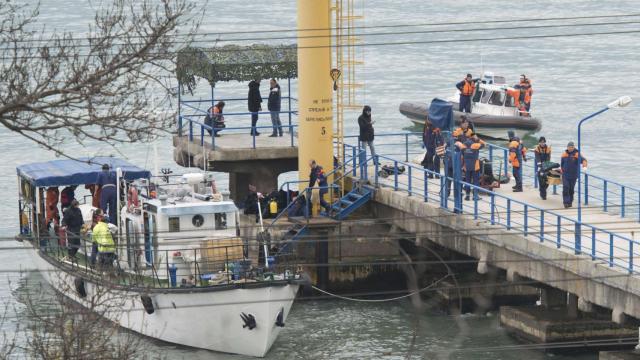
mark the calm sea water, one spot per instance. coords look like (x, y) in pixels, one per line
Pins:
(572, 77)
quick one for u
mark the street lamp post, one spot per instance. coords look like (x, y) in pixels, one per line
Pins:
(620, 102)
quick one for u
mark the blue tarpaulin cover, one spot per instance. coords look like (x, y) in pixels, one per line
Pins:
(441, 114)
(76, 172)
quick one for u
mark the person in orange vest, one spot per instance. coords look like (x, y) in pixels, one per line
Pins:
(517, 155)
(518, 97)
(463, 132)
(525, 84)
(569, 163)
(542, 154)
(466, 87)
(215, 119)
(471, 162)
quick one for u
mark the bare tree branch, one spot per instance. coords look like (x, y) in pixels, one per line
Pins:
(99, 87)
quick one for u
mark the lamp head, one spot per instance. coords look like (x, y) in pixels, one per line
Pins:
(620, 102)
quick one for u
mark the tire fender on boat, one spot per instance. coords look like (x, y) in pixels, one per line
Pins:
(147, 303)
(280, 318)
(80, 288)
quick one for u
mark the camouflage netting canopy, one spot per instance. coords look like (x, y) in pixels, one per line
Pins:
(234, 62)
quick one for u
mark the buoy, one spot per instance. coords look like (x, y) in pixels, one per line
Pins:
(147, 303)
(80, 289)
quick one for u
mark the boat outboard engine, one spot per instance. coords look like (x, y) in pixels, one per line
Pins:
(249, 321)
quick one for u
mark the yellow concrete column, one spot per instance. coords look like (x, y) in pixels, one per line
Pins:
(315, 92)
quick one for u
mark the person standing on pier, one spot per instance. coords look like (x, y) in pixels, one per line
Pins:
(366, 130)
(432, 139)
(254, 104)
(543, 154)
(471, 163)
(273, 104)
(463, 132)
(466, 88)
(569, 163)
(517, 155)
(317, 178)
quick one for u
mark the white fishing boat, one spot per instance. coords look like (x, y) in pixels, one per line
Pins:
(493, 110)
(181, 273)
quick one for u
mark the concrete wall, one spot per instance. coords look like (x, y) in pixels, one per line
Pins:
(493, 245)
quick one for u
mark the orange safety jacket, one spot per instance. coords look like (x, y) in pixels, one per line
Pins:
(514, 159)
(467, 88)
(459, 131)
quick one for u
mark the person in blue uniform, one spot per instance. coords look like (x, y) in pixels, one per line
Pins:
(569, 163)
(108, 202)
(431, 138)
(471, 162)
(317, 178)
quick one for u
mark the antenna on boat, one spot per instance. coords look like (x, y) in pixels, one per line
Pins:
(156, 171)
(266, 249)
(481, 64)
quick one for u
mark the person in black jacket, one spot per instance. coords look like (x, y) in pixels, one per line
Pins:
(73, 221)
(254, 104)
(366, 130)
(317, 178)
(274, 107)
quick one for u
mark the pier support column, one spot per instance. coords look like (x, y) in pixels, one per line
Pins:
(617, 316)
(572, 306)
(315, 93)
(552, 297)
(585, 306)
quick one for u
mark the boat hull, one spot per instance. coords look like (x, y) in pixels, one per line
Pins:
(207, 318)
(491, 126)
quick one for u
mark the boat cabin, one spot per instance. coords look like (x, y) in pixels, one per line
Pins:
(492, 99)
(163, 219)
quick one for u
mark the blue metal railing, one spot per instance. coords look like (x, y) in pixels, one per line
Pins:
(211, 133)
(614, 197)
(546, 225)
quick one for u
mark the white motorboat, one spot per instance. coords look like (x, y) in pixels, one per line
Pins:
(493, 110)
(181, 274)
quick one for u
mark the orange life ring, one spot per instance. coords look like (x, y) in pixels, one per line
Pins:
(132, 198)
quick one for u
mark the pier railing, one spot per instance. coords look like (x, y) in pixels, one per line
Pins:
(191, 118)
(545, 225)
(187, 267)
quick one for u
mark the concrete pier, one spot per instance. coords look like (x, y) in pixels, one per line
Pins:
(482, 299)
(539, 324)
(494, 245)
(235, 154)
(619, 355)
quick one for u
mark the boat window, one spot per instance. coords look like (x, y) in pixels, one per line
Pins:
(509, 102)
(221, 221)
(477, 95)
(174, 224)
(485, 96)
(497, 98)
